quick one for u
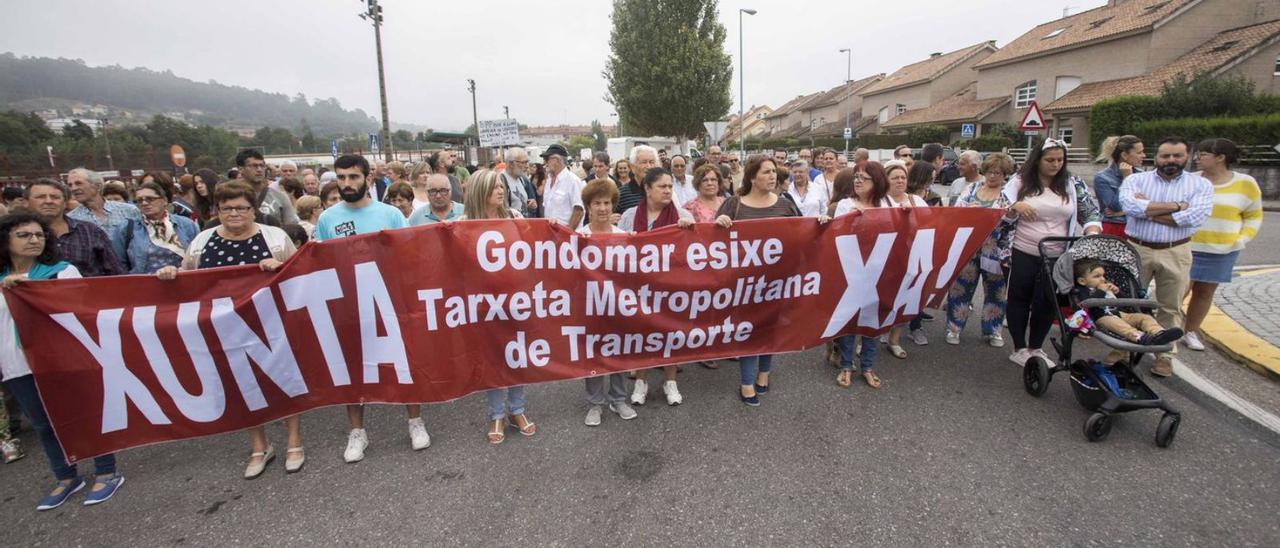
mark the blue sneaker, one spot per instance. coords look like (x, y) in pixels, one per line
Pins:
(110, 486)
(51, 501)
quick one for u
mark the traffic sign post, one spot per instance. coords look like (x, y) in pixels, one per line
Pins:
(333, 148)
(1032, 122)
(373, 143)
(967, 130)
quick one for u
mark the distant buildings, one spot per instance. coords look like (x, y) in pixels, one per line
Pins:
(1127, 47)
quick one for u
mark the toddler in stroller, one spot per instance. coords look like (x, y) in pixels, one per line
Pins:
(1081, 277)
(1092, 285)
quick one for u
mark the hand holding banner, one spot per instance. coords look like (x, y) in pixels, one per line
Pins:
(433, 313)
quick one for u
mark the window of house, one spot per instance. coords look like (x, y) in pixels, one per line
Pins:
(1055, 33)
(1024, 95)
(884, 115)
(1154, 7)
(1099, 23)
(1064, 85)
(1065, 134)
(1277, 66)
(902, 109)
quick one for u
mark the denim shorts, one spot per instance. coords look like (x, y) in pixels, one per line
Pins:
(1213, 268)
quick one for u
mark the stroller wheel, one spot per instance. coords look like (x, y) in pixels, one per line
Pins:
(1097, 427)
(1167, 429)
(1035, 376)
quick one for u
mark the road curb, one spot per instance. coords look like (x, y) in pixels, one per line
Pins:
(1238, 342)
(1260, 418)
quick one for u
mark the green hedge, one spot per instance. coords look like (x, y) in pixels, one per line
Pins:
(985, 143)
(1119, 116)
(1256, 129)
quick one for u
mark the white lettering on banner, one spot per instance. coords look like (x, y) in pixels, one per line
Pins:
(919, 265)
(518, 355)
(211, 400)
(859, 275)
(495, 254)
(589, 346)
(240, 344)
(604, 299)
(119, 385)
(460, 310)
(313, 291)
(374, 304)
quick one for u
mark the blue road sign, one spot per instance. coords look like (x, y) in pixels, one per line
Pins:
(333, 147)
(373, 143)
(967, 130)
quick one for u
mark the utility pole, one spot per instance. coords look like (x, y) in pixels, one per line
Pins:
(374, 15)
(742, 86)
(111, 165)
(848, 77)
(475, 120)
(506, 112)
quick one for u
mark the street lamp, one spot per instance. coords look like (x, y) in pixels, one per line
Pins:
(374, 15)
(848, 77)
(742, 86)
(475, 120)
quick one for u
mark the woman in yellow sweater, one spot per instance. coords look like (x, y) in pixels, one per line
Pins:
(1236, 218)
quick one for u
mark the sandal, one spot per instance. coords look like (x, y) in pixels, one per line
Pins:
(529, 427)
(295, 457)
(496, 435)
(844, 378)
(871, 378)
(897, 352)
(709, 364)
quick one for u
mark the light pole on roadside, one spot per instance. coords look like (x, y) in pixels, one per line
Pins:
(374, 15)
(742, 86)
(848, 77)
(475, 120)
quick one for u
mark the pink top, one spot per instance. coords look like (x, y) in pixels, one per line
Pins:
(702, 214)
(1053, 216)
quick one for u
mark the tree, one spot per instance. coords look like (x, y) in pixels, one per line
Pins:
(402, 137)
(78, 131)
(649, 38)
(579, 142)
(597, 133)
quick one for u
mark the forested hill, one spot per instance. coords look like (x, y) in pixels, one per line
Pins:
(32, 83)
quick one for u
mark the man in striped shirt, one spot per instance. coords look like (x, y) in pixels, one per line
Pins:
(1164, 208)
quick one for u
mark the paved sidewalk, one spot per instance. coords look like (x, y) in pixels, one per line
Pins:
(1245, 320)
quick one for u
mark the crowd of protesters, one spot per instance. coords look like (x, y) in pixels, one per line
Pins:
(1188, 227)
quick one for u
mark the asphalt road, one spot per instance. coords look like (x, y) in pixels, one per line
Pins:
(950, 451)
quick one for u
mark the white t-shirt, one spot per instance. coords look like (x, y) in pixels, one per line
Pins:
(560, 195)
(846, 206)
(916, 201)
(957, 188)
(684, 191)
(13, 363)
(815, 200)
(586, 229)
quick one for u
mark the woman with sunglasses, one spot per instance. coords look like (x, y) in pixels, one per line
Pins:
(238, 240)
(163, 236)
(1046, 201)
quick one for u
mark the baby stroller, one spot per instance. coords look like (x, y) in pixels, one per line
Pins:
(1106, 391)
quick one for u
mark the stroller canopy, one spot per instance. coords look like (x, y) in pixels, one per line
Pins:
(1108, 250)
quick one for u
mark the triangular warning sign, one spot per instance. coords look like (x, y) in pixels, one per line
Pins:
(1033, 120)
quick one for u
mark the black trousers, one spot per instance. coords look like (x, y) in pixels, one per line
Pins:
(1030, 311)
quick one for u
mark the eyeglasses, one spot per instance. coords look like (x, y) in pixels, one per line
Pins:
(147, 199)
(29, 235)
(438, 190)
(238, 210)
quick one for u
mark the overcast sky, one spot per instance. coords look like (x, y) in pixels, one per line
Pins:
(543, 59)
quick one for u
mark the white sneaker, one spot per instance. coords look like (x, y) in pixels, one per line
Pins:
(1020, 357)
(357, 441)
(639, 392)
(884, 339)
(995, 340)
(917, 336)
(953, 337)
(1192, 341)
(624, 411)
(418, 434)
(673, 393)
(593, 415)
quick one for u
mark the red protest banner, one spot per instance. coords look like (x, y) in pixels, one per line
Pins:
(430, 314)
